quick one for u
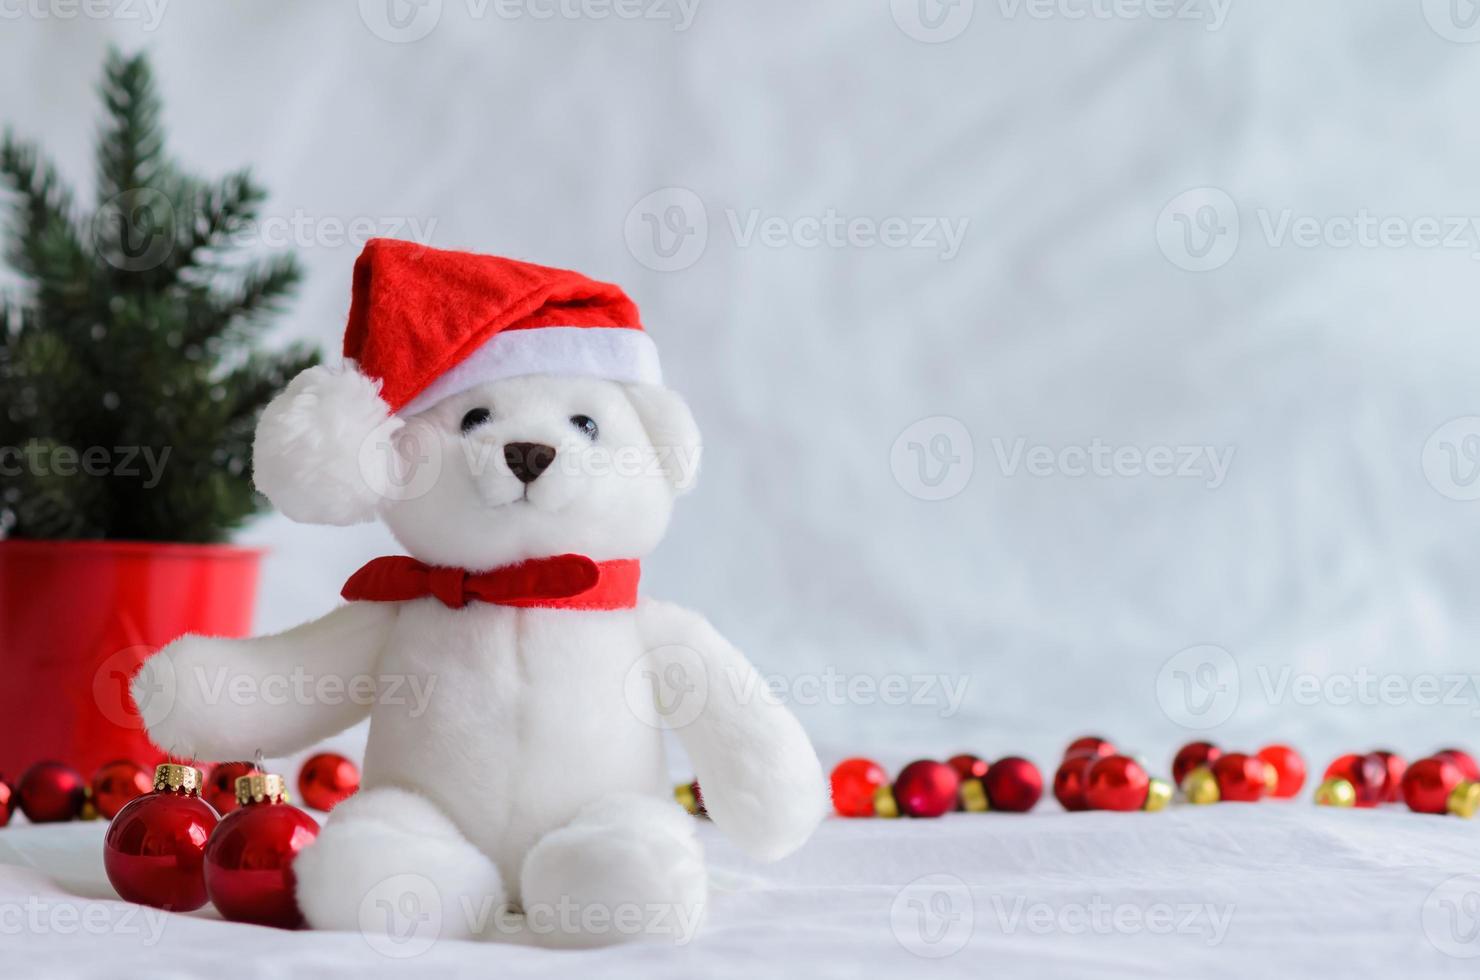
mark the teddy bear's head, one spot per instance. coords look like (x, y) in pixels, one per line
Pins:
(539, 440)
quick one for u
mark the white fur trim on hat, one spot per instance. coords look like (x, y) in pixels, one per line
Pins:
(614, 353)
(321, 447)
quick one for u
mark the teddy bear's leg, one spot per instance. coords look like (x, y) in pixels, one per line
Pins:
(627, 867)
(390, 863)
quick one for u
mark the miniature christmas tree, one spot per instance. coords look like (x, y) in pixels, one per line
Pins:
(129, 380)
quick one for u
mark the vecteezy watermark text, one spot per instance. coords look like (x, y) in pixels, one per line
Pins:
(38, 458)
(1102, 460)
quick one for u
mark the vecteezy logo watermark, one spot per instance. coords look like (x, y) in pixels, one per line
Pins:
(401, 916)
(153, 689)
(35, 916)
(1451, 916)
(1363, 686)
(137, 230)
(933, 916)
(1198, 230)
(405, 21)
(1451, 459)
(148, 12)
(1103, 918)
(38, 458)
(932, 21)
(667, 687)
(1453, 20)
(933, 459)
(1198, 687)
(1212, 14)
(668, 230)
(1099, 459)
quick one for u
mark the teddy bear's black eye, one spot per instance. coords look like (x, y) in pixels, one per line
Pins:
(586, 424)
(475, 418)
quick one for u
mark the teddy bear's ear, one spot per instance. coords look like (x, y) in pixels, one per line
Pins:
(672, 431)
(324, 447)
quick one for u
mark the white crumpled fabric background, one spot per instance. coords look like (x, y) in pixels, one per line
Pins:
(1050, 244)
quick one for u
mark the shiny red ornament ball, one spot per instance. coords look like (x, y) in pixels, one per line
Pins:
(7, 801)
(854, 783)
(1392, 784)
(1289, 768)
(1367, 773)
(1463, 761)
(969, 766)
(220, 788)
(1428, 782)
(119, 783)
(1192, 755)
(155, 847)
(1116, 782)
(1013, 785)
(326, 780)
(1091, 745)
(249, 863)
(50, 792)
(1240, 777)
(1068, 782)
(926, 789)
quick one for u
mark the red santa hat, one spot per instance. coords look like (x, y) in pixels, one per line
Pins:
(429, 323)
(426, 324)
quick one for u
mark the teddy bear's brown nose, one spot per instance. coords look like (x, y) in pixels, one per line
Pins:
(527, 460)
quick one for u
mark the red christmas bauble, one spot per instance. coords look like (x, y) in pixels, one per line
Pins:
(1366, 773)
(117, 784)
(1241, 777)
(154, 848)
(1090, 744)
(326, 780)
(1428, 782)
(50, 792)
(249, 861)
(1013, 785)
(969, 766)
(926, 789)
(1192, 755)
(1463, 761)
(1116, 782)
(7, 802)
(854, 783)
(1392, 784)
(1289, 769)
(220, 788)
(1068, 782)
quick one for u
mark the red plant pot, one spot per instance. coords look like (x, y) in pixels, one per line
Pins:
(76, 620)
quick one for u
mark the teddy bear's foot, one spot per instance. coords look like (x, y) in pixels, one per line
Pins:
(627, 867)
(393, 866)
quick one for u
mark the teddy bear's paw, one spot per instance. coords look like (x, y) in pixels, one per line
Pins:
(627, 868)
(390, 865)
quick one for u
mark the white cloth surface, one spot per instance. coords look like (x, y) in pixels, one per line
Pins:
(1237, 891)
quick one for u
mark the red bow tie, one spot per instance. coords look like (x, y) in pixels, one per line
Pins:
(561, 582)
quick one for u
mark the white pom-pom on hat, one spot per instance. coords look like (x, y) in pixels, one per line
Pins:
(309, 457)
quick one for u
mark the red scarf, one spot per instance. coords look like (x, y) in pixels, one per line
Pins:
(561, 582)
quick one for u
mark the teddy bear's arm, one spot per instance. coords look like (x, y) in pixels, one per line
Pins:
(209, 698)
(759, 774)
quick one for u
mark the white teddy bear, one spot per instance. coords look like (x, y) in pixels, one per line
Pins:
(508, 424)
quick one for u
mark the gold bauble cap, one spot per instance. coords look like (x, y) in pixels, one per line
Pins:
(1464, 800)
(261, 787)
(171, 777)
(1336, 792)
(687, 798)
(1200, 787)
(1158, 795)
